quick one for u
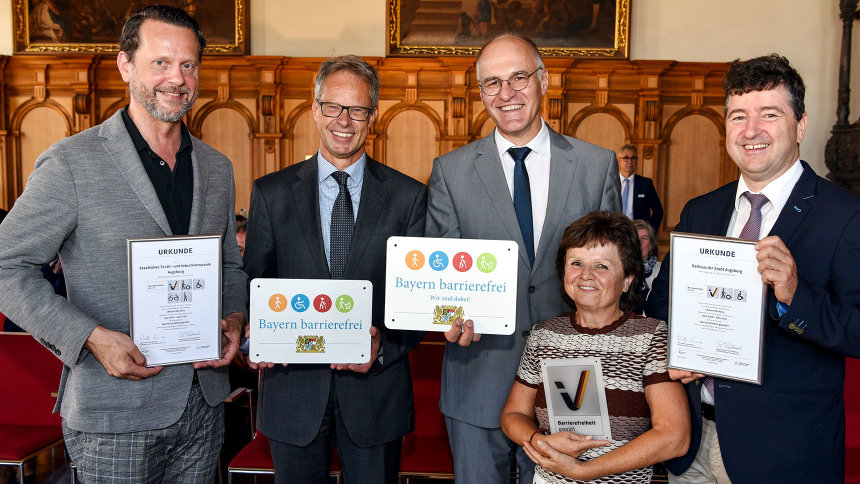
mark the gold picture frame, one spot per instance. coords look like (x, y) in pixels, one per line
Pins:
(561, 28)
(93, 27)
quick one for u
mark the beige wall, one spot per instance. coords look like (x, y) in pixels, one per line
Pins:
(808, 32)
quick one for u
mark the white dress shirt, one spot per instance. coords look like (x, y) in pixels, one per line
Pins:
(537, 166)
(777, 193)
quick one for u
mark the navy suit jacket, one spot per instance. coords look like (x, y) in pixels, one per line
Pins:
(791, 428)
(284, 240)
(646, 203)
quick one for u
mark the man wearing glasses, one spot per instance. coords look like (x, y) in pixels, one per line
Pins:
(639, 199)
(330, 217)
(527, 183)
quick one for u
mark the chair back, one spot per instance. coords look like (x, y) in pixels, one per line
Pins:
(426, 363)
(852, 389)
(30, 377)
(852, 421)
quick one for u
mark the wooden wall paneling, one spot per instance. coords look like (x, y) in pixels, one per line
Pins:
(108, 106)
(227, 129)
(694, 162)
(36, 125)
(457, 113)
(464, 110)
(303, 135)
(602, 129)
(295, 82)
(39, 128)
(649, 135)
(411, 137)
(483, 124)
(259, 110)
(442, 123)
(552, 108)
(267, 151)
(377, 139)
(648, 118)
(39, 99)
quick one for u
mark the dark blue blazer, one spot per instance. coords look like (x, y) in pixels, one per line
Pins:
(792, 427)
(284, 240)
(646, 203)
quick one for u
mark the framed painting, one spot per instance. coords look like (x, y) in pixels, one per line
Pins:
(562, 28)
(93, 26)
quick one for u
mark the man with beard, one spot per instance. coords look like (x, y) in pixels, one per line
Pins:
(138, 174)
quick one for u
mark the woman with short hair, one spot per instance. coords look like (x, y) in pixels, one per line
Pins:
(600, 264)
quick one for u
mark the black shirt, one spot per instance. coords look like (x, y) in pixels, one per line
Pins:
(175, 188)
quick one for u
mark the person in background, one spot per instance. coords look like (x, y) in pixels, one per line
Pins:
(648, 242)
(600, 267)
(241, 230)
(639, 199)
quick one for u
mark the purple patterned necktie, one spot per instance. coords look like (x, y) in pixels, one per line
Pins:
(751, 231)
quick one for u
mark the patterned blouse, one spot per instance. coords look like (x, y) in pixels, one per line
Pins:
(633, 355)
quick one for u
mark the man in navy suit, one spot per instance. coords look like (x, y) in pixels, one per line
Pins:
(295, 217)
(641, 200)
(791, 428)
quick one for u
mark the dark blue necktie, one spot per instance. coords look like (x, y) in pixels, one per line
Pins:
(523, 199)
(342, 225)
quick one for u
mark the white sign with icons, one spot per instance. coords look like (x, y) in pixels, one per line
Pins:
(430, 282)
(310, 320)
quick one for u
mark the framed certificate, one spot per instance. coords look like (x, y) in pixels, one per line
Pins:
(311, 320)
(174, 298)
(430, 282)
(716, 307)
(576, 396)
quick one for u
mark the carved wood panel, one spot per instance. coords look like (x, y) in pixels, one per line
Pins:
(256, 110)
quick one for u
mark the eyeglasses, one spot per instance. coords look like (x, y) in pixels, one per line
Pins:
(517, 82)
(629, 158)
(355, 113)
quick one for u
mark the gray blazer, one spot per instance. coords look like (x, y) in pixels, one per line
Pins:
(87, 194)
(469, 198)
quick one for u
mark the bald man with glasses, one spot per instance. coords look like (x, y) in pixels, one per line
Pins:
(524, 182)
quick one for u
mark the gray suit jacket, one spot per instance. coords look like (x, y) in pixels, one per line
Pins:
(86, 196)
(285, 240)
(469, 198)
